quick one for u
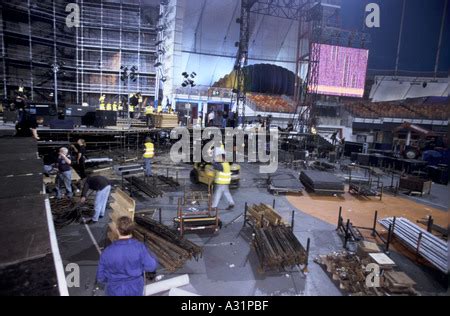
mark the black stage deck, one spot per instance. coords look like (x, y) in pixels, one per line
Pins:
(26, 261)
(322, 182)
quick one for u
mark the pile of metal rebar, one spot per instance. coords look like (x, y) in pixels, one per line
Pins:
(171, 250)
(147, 188)
(66, 212)
(169, 181)
(430, 247)
(277, 248)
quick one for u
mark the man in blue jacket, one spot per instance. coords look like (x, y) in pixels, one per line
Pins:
(123, 265)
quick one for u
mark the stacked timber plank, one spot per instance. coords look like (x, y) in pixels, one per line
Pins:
(348, 270)
(264, 216)
(165, 120)
(322, 182)
(123, 206)
(171, 250)
(418, 240)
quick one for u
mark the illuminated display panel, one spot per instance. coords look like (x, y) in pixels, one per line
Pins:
(342, 71)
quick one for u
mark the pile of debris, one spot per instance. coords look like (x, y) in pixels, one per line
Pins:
(66, 212)
(171, 250)
(352, 274)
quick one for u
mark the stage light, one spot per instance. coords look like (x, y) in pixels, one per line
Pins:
(185, 74)
(184, 85)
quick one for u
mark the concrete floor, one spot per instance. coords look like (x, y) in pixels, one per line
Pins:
(229, 266)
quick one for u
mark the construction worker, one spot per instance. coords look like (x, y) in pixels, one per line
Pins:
(149, 110)
(109, 107)
(160, 109)
(123, 264)
(115, 107)
(102, 103)
(222, 179)
(148, 156)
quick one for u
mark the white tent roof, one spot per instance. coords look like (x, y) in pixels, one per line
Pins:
(209, 32)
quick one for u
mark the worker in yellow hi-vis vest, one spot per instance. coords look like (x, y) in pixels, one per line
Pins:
(115, 107)
(222, 179)
(109, 107)
(102, 106)
(149, 110)
(160, 109)
(148, 156)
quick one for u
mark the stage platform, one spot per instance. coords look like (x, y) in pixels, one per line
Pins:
(29, 255)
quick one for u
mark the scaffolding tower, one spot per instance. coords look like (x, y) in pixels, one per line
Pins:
(43, 55)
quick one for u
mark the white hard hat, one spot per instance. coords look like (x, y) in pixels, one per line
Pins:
(219, 152)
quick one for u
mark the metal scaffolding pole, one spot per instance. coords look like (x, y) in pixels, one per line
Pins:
(444, 15)
(5, 82)
(139, 48)
(101, 48)
(55, 60)
(77, 36)
(120, 57)
(242, 60)
(30, 50)
(82, 50)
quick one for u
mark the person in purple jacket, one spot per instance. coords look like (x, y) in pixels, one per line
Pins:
(123, 265)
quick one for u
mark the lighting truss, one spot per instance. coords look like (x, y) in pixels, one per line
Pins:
(287, 9)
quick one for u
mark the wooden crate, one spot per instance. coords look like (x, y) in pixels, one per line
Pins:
(415, 184)
(165, 120)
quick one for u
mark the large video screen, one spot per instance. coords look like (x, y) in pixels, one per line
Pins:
(342, 71)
